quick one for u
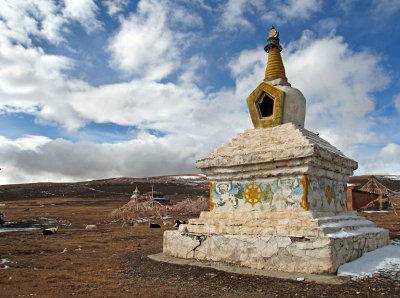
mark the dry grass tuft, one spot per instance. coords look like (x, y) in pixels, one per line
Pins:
(190, 206)
(135, 209)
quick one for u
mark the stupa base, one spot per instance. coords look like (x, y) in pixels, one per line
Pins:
(287, 241)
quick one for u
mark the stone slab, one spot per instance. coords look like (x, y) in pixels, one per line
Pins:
(276, 252)
(317, 278)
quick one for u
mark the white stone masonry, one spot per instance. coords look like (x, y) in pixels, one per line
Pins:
(280, 151)
(286, 241)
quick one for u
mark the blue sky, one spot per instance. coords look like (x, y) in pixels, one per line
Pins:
(95, 89)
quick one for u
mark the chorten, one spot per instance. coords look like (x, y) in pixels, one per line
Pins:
(277, 192)
(135, 194)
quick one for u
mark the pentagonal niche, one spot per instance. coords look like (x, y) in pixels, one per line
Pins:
(264, 105)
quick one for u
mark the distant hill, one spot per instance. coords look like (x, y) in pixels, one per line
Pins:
(174, 187)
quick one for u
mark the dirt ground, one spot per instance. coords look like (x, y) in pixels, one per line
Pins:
(112, 261)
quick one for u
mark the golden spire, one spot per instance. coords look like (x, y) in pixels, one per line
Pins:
(275, 68)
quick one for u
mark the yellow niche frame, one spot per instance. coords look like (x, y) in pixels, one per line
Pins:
(277, 96)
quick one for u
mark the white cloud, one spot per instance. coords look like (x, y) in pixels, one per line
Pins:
(397, 102)
(141, 103)
(338, 97)
(115, 6)
(385, 161)
(26, 142)
(170, 108)
(195, 124)
(144, 46)
(247, 62)
(391, 153)
(149, 45)
(385, 8)
(233, 14)
(338, 84)
(84, 12)
(180, 16)
(202, 4)
(33, 82)
(346, 5)
(61, 160)
(241, 14)
(22, 19)
(327, 26)
(294, 9)
(190, 74)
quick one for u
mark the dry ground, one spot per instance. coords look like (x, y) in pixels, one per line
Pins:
(112, 260)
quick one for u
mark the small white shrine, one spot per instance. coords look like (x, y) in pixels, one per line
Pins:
(277, 192)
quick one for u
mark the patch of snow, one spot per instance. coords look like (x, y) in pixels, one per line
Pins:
(4, 261)
(385, 259)
(48, 193)
(339, 217)
(376, 211)
(50, 220)
(360, 231)
(187, 177)
(91, 188)
(2, 205)
(346, 223)
(193, 178)
(166, 217)
(5, 230)
(392, 177)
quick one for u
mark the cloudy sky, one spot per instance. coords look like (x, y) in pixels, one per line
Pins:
(108, 88)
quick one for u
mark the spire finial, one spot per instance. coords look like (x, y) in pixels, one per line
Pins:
(275, 68)
(273, 40)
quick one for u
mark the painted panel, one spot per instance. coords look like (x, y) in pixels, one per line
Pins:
(295, 193)
(326, 195)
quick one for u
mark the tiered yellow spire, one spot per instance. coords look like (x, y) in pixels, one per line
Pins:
(275, 68)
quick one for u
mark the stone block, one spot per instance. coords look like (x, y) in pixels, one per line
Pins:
(283, 241)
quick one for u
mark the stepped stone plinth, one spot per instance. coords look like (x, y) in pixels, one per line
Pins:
(277, 192)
